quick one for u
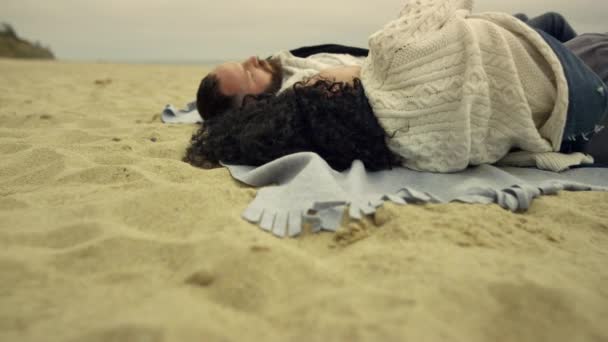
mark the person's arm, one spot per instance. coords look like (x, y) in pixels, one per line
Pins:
(340, 74)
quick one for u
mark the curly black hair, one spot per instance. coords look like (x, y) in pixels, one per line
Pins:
(331, 119)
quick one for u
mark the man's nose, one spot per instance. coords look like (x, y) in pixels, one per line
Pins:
(253, 61)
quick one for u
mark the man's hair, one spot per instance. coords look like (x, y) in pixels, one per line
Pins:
(333, 120)
(209, 99)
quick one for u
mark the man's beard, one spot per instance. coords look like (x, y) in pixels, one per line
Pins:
(276, 72)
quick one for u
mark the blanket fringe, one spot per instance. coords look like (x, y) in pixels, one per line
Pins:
(328, 215)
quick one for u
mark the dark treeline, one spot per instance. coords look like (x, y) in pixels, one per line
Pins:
(12, 46)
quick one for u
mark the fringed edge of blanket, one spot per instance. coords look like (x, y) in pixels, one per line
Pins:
(328, 216)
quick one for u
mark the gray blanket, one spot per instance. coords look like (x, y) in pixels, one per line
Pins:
(187, 115)
(302, 188)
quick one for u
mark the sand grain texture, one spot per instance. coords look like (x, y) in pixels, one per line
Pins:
(105, 235)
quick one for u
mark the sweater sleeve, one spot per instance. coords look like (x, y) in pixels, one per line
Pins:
(550, 161)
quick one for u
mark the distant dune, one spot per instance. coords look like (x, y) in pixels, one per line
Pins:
(14, 47)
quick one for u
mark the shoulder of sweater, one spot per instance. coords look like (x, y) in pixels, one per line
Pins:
(283, 54)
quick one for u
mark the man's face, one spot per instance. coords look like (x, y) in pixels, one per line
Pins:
(250, 77)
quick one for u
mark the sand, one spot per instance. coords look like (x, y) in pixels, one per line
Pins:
(105, 235)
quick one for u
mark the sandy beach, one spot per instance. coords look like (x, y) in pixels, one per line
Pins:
(106, 235)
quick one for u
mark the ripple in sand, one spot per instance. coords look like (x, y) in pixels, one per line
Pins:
(248, 281)
(122, 254)
(33, 167)
(8, 204)
(170, 170)
(63, 237)
(529, 312)
(165, 151)
(12, 133)
(464, 225)
(22, 303)
(22, 120)
(108, 147)
(347, 314)
(69, 136)
(29, 160)
(94, 123)
(114, 159)
(126, 332)
(202, 278)
(103, 175)
(123, 277)
(15, 274)
(182, 211)
(13, 148)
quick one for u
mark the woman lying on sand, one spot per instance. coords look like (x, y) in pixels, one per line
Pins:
(441, 89)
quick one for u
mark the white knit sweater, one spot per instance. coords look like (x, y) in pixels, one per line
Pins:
(297, 69)
(454, 89)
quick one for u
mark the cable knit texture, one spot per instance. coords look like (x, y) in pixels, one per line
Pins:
(454, 89)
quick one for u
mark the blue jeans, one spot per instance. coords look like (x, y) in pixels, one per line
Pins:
(552, 23)
(592, 49)
(587, 95)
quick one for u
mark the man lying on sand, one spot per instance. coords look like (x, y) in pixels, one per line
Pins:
(225, 86)
(441, 89)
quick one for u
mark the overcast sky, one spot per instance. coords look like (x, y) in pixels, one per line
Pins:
(174, 30)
